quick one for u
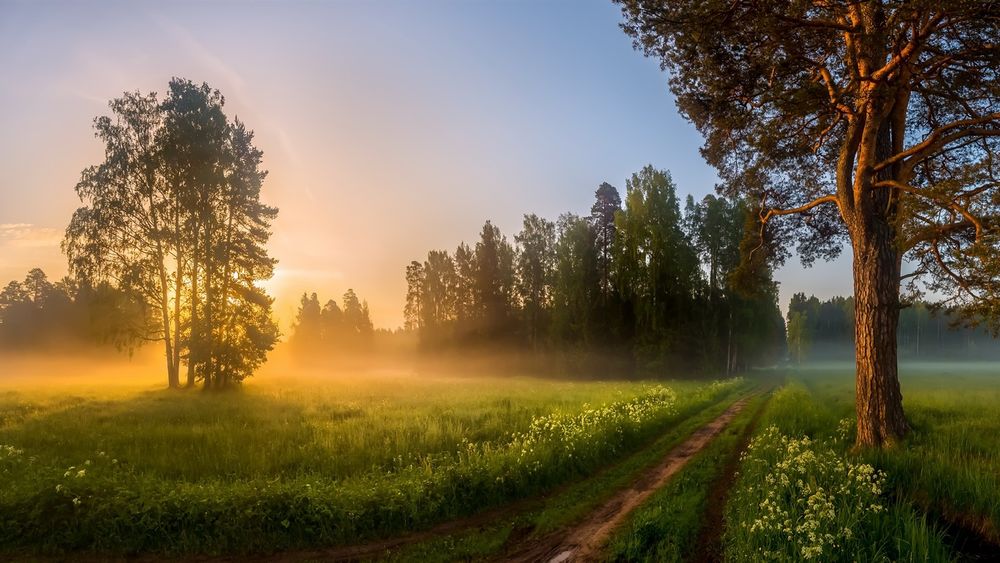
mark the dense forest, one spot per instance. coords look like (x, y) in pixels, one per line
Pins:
(824, 330)
(37, 314)
(638, 282)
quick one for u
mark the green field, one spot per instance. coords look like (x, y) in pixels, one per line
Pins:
(305, 464)
(293, 464)
(934, 498)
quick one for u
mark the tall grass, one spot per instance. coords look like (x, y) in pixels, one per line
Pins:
(950, 462)
(802, 496)
(261, 471)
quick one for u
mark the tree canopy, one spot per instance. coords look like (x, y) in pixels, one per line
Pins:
(641, 281)
(872, 123)
(173, 215)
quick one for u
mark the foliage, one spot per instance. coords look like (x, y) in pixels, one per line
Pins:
(37, 313)
(801, 495)
(331, 330)
(642, 284)
(810, 502)
(173, 216)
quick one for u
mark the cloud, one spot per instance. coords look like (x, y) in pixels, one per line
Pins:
(201, 53)
(27, 235)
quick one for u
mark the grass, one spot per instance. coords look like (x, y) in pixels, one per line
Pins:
(569, 504)
(666, 527)
(950, 462)
(801, 494)
(299, 464)
(288, 466)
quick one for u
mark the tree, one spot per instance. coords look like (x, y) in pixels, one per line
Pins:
(412, 313)
(173, 215)
(799, 339)
(465, 291)
(535, 261)
(656, 266)
(130, 226)
(332, 324)
(237, 312)
(871, 122)
(576, 289)
(607, 202)
(494, 281)
(307, 330)
(357, 319)
(715, 228)
(437, 305)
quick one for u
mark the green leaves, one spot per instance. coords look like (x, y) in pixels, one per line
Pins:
(173, 215)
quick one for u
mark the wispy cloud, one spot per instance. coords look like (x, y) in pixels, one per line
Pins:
(201, 53)
(27, 235)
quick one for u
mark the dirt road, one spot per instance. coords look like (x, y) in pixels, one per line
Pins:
(585, 540)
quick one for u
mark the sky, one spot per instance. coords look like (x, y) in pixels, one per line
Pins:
(388, 128)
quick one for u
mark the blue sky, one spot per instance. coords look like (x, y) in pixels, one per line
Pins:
(389, 128)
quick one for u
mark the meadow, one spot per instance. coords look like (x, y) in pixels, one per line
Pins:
(293, 463)
(804, 493)
(301, 463)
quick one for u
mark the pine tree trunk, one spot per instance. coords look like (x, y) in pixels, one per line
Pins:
(879, 403)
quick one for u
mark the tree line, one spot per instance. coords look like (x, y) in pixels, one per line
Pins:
(39, 314)
(637, 279)
(172, 217)
(824, 330)
(331, 330)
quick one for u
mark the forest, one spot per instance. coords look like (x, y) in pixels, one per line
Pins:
(636, 287)
(824, 330)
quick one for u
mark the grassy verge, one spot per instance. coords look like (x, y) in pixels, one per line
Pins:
(569, 504)
(949, 465)
(666, 527)
(802, 496)
(111, 503)
(951, 461)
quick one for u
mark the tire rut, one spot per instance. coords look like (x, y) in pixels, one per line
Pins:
(585, 540)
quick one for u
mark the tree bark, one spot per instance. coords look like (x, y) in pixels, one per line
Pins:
(194, 331)
(879, 403)
(173, 375)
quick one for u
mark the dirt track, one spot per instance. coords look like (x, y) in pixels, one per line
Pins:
(581, 542)
(584, 541)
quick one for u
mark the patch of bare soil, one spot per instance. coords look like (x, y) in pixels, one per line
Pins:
(585, 540)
